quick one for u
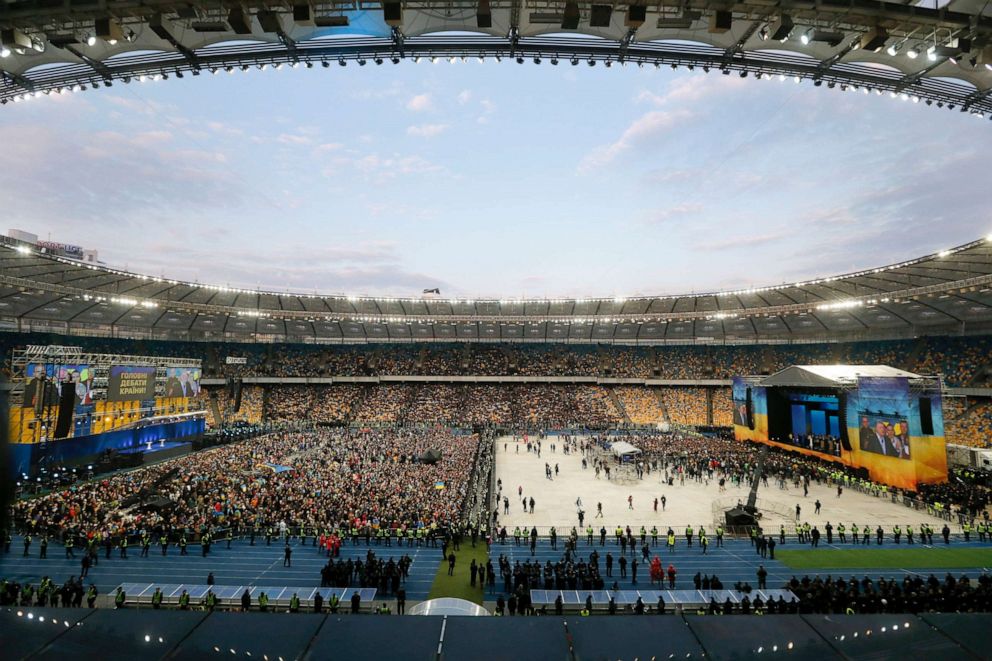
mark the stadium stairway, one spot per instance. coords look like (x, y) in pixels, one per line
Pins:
(661, 405)
(618, 403)
(215, 408)
(913, 357)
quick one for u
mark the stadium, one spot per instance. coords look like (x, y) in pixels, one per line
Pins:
(194, 469)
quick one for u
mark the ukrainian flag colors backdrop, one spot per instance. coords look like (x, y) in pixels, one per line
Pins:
(884, 430)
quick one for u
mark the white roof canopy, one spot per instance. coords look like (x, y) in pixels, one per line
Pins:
(831, 376)
(623, 448)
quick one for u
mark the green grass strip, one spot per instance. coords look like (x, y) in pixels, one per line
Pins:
(918, 558)
(459, 584)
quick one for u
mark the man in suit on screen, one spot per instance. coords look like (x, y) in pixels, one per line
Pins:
(877, 442)
(740, 414)
(866, 436)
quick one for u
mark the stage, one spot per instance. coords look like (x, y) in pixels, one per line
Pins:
(885, 423)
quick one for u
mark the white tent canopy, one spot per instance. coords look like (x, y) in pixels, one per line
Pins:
(623, 449)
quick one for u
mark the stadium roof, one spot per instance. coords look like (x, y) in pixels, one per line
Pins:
(831, 376)
(946, 292)
(914, 50)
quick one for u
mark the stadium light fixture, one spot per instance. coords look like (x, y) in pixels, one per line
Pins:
(806, 37)
(893, 49)
(913, 53)
(4, 51)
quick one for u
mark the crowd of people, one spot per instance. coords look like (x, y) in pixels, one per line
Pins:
(314, 481)
(962, 361)
(968, 421)
(913, 594)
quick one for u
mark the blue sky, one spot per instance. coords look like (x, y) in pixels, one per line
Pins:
(493, 179)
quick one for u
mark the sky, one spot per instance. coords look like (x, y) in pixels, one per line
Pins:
(493, 179)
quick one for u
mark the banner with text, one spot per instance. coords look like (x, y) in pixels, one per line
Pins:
(130, 382)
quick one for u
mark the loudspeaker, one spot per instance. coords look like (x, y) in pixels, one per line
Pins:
(750, 410)
(270, 21)
(600, 15)
(66, 403)
(570, 19)
(926, 416)
(636, 15)
(845, 440)
(239, 20)
(237, 395)
(484, 15)
(721, 21)
(392, 12)
(41, 397)
(303, 14)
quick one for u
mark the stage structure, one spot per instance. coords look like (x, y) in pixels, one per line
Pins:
(882, 420)
(67, 404)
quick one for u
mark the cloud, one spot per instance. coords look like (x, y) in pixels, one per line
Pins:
(377, 165)
(426, 130)
(640, 131)
(371, 267)
(660, 216)
(420, 103)
(488, 109)
(737, 242)
(137, 176)
(293, 139)
(692, 89)
(464, 97)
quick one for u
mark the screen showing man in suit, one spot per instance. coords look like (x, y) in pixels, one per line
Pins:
(182, 382)
(884, 436)
(46, 381)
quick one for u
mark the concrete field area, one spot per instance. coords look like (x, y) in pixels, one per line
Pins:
(692, 503)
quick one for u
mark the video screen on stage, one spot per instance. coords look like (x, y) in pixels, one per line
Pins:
(130, 382)
(45, 382)
(884, 435)
(743, 407)
(182, 382)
